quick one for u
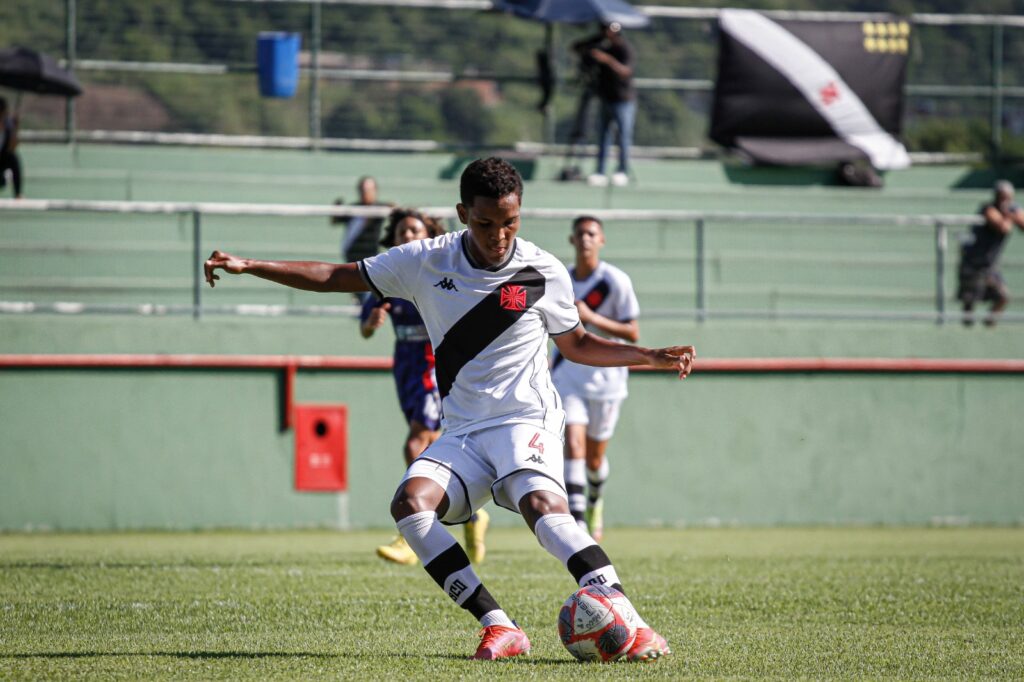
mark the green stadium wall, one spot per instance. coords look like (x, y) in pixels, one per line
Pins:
(97, 449)
(93, 449)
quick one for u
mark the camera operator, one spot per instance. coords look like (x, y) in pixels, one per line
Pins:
(606, 67)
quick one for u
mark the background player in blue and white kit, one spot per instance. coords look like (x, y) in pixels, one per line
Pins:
(592, 395)
(413, 370)
(490, 301)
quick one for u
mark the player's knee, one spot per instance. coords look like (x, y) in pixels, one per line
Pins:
(540, 503)
(415, 496)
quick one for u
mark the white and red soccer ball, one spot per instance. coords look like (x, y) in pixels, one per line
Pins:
(597, 623)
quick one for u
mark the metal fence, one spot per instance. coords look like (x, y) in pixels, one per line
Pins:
(664, 227)
(194, 82)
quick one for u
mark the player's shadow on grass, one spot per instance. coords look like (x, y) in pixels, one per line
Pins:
(199, 655)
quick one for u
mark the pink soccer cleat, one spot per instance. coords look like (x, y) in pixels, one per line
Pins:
(500, 641)
(647, 646)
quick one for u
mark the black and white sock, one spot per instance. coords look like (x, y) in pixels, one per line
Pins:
(562, 537)
(575, 480)
(448, 565)
(595, 480)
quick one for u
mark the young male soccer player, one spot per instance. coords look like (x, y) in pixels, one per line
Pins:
(592, 395)
(415, 380)
(489, 300)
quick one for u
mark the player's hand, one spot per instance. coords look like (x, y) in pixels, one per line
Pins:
(586, 312)
(378, 316)
(599, 55)
(219, 260)
(679, 358)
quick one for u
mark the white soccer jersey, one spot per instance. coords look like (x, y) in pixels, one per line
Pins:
(609, 292)
(489, 326)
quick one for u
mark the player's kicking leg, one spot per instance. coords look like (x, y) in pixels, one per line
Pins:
(420, 436)
(547, 514)
(417, 508)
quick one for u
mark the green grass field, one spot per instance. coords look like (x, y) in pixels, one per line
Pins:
(818, 603)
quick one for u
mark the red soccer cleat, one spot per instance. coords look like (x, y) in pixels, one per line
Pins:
(647, 646)
(500, 641)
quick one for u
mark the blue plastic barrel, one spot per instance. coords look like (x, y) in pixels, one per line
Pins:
(277, 63)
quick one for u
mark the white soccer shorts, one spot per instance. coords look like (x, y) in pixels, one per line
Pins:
(599, 416)
(476, 466)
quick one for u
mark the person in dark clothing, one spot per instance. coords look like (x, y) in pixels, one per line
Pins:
(980, 279)
(609, 58)
(9, 161)
(362, 238)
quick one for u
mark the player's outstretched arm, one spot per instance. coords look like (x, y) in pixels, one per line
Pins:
(587, 349)
(307, 275)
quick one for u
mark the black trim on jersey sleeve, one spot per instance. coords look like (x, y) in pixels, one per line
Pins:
(572, 328)
(369, 282)
(484, 323)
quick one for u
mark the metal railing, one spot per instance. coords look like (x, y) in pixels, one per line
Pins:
(995, 91)
(938, 225)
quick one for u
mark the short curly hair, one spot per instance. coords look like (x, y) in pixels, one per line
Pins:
(492, 178)
(434, 227)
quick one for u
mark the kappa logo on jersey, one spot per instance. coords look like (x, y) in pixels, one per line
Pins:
(513, 297)
(446, 285)
(484, 323)
(535, 458)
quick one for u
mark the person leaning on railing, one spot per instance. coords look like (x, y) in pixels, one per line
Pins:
(9, 161)
(980, 278)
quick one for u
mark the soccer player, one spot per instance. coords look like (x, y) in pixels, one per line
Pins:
(415, 380)
(490, 300)
(592, 395)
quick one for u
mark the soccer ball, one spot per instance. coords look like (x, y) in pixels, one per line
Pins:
(597, 623)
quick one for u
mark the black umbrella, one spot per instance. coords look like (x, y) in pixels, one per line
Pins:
(575, 11)
(30, 71)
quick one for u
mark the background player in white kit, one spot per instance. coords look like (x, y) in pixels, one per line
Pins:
(592, 395)
(489, 300)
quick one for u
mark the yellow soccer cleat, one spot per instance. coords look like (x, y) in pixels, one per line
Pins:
(398, 551)
(475, 532)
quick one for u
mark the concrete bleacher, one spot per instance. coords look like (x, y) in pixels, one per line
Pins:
(751, 265)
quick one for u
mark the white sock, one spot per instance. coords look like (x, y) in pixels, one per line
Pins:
(497, 617)
(425, 534)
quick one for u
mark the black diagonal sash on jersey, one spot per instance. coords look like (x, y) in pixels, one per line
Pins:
(478, 328)
(593, 299)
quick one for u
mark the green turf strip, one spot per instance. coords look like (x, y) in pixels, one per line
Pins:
(816, 603)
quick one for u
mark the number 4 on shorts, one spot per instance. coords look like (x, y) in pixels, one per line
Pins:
(536, 444)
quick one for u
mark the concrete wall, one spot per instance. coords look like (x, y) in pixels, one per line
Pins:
(98, 449)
